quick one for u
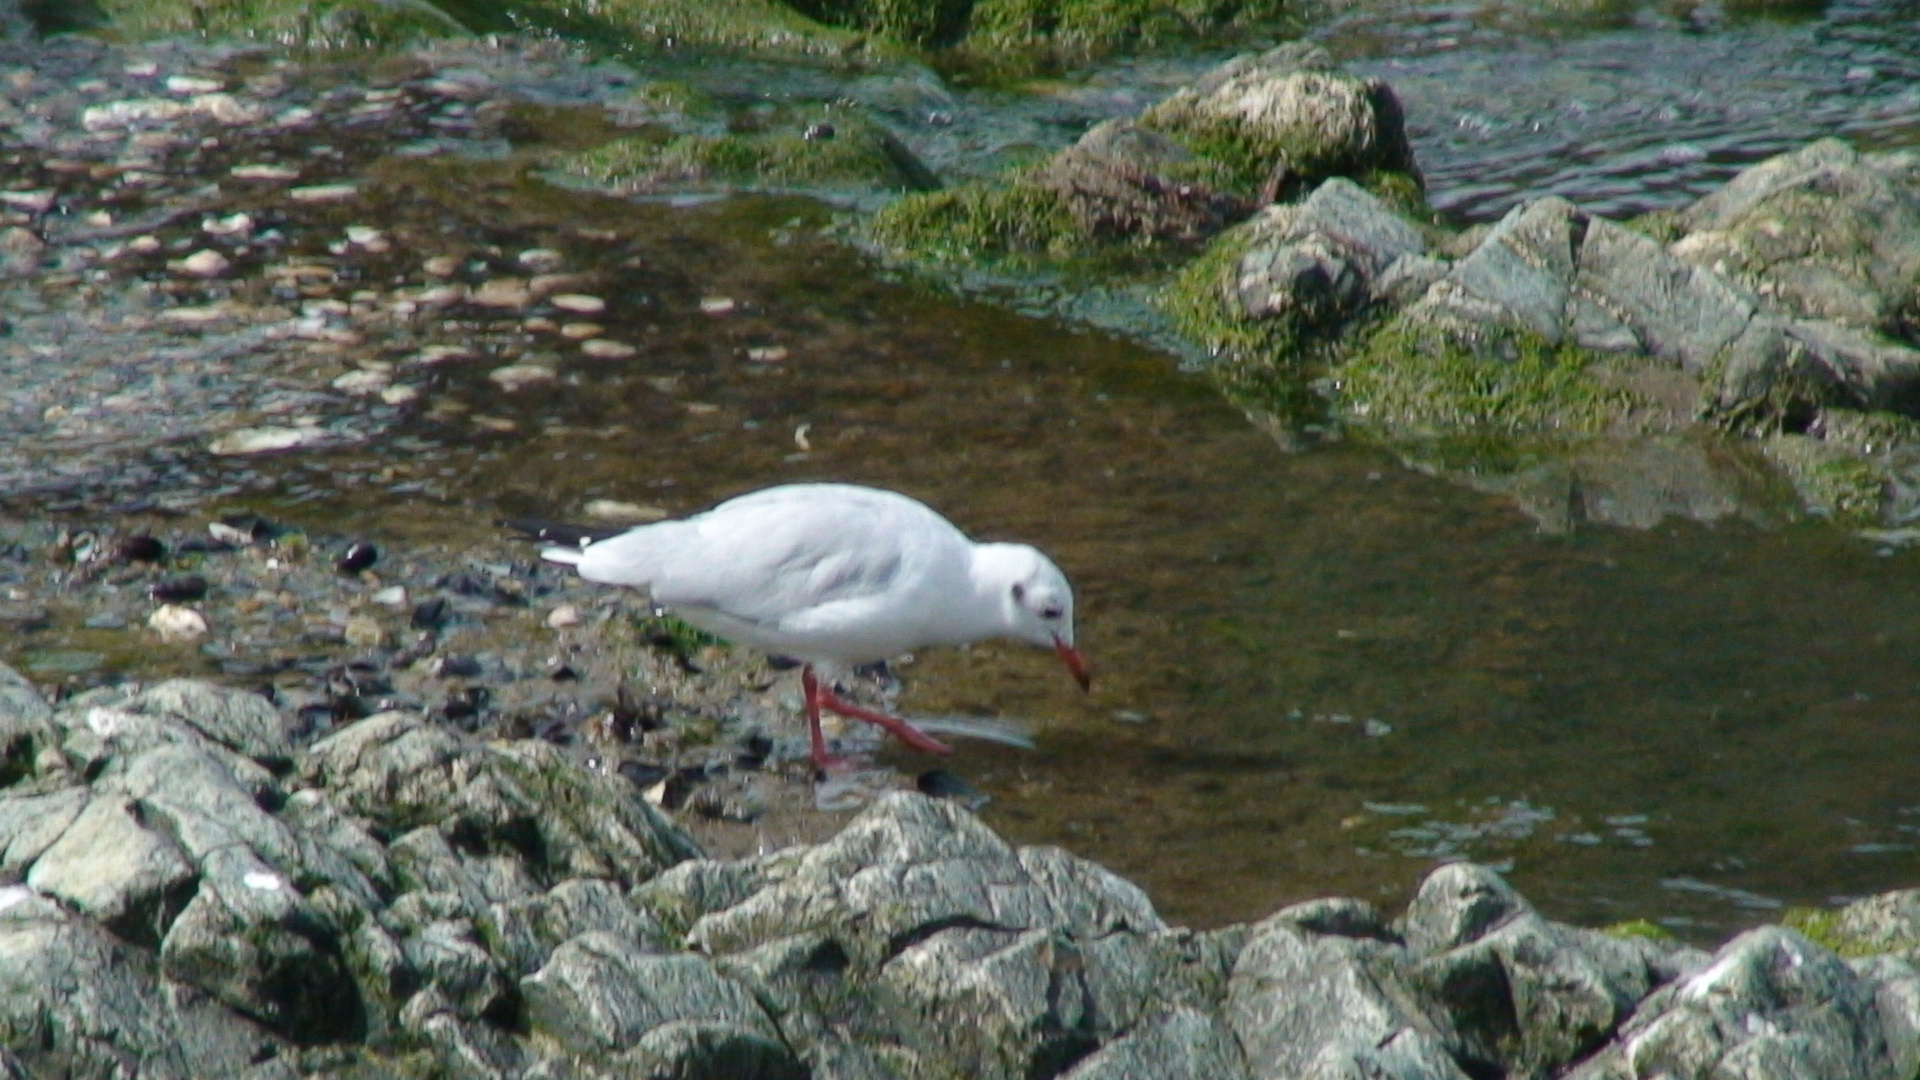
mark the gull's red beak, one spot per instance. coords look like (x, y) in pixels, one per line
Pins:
(1076, 663)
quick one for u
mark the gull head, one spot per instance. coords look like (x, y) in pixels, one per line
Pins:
(1036, 603)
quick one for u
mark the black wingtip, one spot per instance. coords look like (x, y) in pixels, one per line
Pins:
(557, 532)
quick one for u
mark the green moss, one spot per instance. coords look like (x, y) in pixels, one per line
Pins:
(619, 26)
(1017, 220)
(1638, 928)
(350, 24)
(1830, 480)
(780, 155)
(1426, 381)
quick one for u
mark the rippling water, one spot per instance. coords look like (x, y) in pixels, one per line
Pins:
(1630, 120)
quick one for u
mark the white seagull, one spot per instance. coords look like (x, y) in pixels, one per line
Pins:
(837, 575)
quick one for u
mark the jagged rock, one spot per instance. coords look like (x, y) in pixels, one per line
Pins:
(1456, 905)
(1122, 181)
(1180, 1044)
(517, 800)
(907, 865)
(524, 932)
(111, 868)
(1771, 1006)
(601, 994)
(76, 1002)
(29, 824)
(1299, 999)
(29, 743)
(998, 1004)
(239, 720)
(1321, 260)
(1824, 232)
(1296, 108)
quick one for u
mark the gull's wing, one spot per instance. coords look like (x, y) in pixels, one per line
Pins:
(783, 559)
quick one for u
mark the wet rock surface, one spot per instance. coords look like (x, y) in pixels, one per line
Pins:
(196, 885)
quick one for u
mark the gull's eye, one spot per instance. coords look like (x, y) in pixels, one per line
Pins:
(1051, 612)
(1019, 592)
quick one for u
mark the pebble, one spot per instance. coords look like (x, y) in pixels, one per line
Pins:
(173, 590)
(191, 84)
(393, 596)
(541, 260)
(579, 303)
(606, 349)
(264, 171)
(717, 305)
(36, 202)
(358, 556)
(204, 263)
(767, 354)
(441, 295)
(144, 245)
(442, 265)
(503, 293)
(515, 376)
(615, 510)
(265, 440)
(400, 394)
(240, 224)
(581, 331)
(174, 622)
(364, 631)
(362, 383)
(435, 354)
(563, 616)
(317, 193)
(192, 316)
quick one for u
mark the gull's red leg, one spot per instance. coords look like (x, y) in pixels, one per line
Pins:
(810, 689)
(906, 732)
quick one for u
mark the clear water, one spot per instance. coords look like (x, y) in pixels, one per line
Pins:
(1317, 673)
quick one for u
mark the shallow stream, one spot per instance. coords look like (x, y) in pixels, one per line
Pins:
(1317, 672)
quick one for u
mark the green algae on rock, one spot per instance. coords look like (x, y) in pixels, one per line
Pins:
(821, 149)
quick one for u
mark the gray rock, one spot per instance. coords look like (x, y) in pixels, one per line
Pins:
(1122, 181)
(1896, 996)
(1679, 312)
(1823, 232)
(75, 1002)
(239, 720)
(523, 933)
(679, 896)
(908, 864)
(1870, 371)
(1771, 1006)
(29, 742)
(109, 867)
(995, 1004)
(1296, 998)
(1319, 120)
(1458, 903)
(1888, 923)
(1405, 1055)
(1134, 976)
(102, 739)
(1320, 261)
(1180, 1044)
(251, 941)
(524, 800)
(1531, 997)
(600, 993)
(29, 824)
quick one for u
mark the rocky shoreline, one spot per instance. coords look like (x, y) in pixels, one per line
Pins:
(195, 886)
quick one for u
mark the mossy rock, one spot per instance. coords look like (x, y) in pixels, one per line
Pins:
(1421, 381)
(1004, 33)
(1832, 480)
(1017, 220)
(822, 148)
(341, 24)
